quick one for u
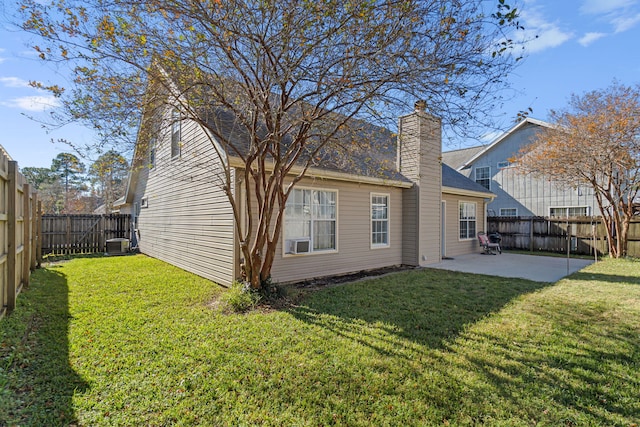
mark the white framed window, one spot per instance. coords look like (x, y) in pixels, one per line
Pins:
(176, 134)
(483, 176)
(310, 222)
(568, 211)
(508, 211)
(505, 164)
(467, 220)
(144, 202)
(379, 220)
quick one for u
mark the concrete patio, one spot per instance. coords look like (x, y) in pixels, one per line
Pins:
(532, 267)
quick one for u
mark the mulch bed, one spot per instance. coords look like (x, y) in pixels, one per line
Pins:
(320, 282)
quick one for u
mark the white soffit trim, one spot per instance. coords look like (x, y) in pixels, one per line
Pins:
(338, 176)
(470, 193)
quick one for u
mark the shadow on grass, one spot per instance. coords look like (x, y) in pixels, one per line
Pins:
(426, 306)
(40, 380)
(608, 278)
(582, 369)
(47, 259)
(557, 361)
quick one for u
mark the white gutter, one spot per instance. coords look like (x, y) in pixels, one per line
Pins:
(470, 193)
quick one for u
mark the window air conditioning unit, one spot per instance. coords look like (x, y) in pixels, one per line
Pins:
(299, 246)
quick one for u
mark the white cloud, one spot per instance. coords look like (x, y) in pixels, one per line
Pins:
(546, 38)
(621, 14)
(13, 82)
(541, 34)
(624, 23)
(589, 38)
(33, 103)
(594, 7)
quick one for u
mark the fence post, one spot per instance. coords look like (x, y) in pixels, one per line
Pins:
(102, 238)
(68, 236)
(34, 230)
(531, 224)
(12, 220)
(26, 234)
(39, 235)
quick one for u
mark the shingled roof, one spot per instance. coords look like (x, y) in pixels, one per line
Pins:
(361, 148)
(454, 179)
(457, 158)
(376, 158)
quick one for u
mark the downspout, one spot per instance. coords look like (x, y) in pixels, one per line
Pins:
(485, 203)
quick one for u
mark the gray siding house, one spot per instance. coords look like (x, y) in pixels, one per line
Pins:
(518, 194)
(414, 215)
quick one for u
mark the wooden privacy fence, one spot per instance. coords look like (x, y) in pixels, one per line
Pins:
(75, 234)
(19, 228)
(586, 235)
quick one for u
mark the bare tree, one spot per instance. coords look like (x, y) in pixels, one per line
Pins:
(595, 141)
(276, 84)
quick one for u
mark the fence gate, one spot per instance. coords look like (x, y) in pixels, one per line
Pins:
(75, 234)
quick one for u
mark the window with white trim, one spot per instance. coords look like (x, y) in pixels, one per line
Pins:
(176, 134)
(311, 215)
(508, 211)
(467, 220)
(505, 164)
(568, 211)
(483, 176)
(379, 220)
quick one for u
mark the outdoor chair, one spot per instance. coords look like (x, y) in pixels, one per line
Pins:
(487, 246)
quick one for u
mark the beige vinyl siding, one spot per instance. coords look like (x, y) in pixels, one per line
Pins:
(454, 245)
(430, 204)
(189, 220)
(409, 150)
(420, 152)
(354, 250)
(410, 226)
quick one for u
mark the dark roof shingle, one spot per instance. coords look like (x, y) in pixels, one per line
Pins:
(454, 179)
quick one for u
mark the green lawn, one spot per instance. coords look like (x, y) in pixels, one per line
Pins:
(133, 341)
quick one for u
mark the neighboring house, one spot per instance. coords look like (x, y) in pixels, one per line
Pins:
(518, 194)
(404, 208)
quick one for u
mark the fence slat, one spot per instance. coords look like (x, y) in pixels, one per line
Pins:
(78, 233)
(550, 234)
(26, 234)
(12, 249)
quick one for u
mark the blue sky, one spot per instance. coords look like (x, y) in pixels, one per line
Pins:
(581, 45)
